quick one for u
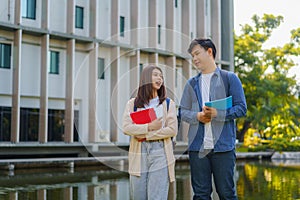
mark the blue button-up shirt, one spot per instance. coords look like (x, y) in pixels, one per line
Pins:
(223, 126)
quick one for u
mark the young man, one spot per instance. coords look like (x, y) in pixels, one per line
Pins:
(212, 132)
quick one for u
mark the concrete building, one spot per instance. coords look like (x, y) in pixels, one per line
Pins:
(68, 67)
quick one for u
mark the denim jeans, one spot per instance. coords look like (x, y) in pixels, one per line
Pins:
(153, 184)
(221, 165)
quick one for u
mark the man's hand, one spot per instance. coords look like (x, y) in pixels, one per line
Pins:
(203, 118)
(155, 125)
(207, 114)
(210, 112)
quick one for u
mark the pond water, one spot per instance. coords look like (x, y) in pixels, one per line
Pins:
(254, 179)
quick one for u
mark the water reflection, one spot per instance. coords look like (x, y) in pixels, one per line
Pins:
(268, 180)
(255, 180)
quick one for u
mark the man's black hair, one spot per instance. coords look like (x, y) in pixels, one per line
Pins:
(205, 43)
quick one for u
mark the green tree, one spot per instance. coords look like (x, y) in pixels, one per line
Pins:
(272, 96)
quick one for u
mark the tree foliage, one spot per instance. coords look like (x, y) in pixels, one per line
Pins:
(272, 95)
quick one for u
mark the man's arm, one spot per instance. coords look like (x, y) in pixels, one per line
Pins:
(189, 107)
(239, 106)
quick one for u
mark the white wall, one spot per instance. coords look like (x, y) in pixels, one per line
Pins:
(6, 80)
(26, 102)
(5, 101)
(177, 27)
(123, 93)
(30, 70)
(144, 23)
(56, 104)
(7, 11)
(161, 20)
(125, 12)
(81, 92)
(58, 15)
(57, 82)
(104, 19)
(36, 23)
(178, 84)
(103, 98)
(207, 19)
(6, 76)
(86, 18)
(193, 26)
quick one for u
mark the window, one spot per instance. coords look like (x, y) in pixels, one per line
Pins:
(29, 124)
(5, 54)
(159, 33)
(101, 74)
(76, 126)
(28, 9)
(5, 123)
(54, 62)
(141, 68)
(56, 125)
(79, 17)
(176, 3)
(176, 77)
(122, 26)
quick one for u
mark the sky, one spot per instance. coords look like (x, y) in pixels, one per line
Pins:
(289, 9)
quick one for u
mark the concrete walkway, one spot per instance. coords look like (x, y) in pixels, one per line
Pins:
(11, 164)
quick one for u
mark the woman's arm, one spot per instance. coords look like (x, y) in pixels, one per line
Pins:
(128, 127)
(170, 126)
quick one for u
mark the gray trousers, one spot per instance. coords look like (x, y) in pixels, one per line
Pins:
(153, 184)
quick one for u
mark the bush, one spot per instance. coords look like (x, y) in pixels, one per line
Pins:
(283, 144)
(276, 144)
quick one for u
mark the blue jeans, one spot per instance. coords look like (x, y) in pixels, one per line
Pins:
(153, 184)
(221, 165)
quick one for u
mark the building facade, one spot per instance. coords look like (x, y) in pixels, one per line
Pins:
(68, 67)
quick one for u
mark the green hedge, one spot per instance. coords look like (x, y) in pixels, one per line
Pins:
(278, 144)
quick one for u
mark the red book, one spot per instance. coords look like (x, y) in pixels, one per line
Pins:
(143, 116)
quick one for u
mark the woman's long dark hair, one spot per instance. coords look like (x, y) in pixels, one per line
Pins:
(145, 90)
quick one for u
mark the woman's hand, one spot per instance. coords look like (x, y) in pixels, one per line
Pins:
(139, 137)
(155, 125)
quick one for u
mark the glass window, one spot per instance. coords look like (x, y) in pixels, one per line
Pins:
(158, 34)
(28, 9)
(101, 74)
(5, 54)
(176, 3)
(54, 63)
(141, 68)
(122, 26)
(79, 17)
(5, 123)
(176, 78)
(29, 124)
(76, 126)
(56, 125)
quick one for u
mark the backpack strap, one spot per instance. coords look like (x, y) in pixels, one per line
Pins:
(168, 105)
(134, 108)
(225, 78)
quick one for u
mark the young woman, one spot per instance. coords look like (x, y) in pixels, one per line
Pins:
(151, 158)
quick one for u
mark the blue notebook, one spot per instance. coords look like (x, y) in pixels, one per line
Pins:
(221, 104)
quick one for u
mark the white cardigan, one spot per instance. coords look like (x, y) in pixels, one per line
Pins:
(169, 130)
